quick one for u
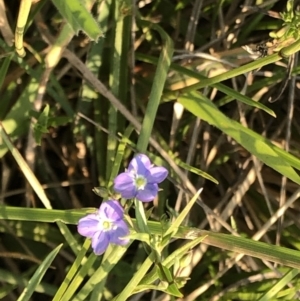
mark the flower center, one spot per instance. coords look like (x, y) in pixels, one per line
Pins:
(106, 225)
(140, 182)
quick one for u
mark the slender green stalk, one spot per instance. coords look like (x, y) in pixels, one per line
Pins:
(289, 50)
(160, 77)
(114, 82)
(24, 10)
(235, 72)
(130, 287)
(228, 242)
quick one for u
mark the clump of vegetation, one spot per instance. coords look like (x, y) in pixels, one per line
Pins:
(149, 150)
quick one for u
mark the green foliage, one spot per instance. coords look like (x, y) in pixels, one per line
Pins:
(41, 126)
(38, 275)
(79, 17)
(291, 19)
(257, 145)
(103, 80)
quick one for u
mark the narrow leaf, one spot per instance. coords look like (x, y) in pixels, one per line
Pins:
(38, 275)
(257, 145)
(78, 17)
(41, 127)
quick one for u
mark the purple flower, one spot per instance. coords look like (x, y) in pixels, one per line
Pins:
(140, 180)
(105, 226)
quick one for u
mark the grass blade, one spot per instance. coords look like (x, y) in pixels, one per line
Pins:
(38, 275)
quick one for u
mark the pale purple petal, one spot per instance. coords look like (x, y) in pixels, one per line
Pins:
(140, 164)
(100, 242)
(143, 158)
(148, 193)
(121, 231)
(124, 178)
(111, 210)
(88, 225)
(124, 184)
(157, 174)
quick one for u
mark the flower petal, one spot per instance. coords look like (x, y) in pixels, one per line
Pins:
(100, 242)
(124, 184)
(120, 231)
(148, 193)
(157, 174)
(88, 225)
(111, 210)
(140, 164)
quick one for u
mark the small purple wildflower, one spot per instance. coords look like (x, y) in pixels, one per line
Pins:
(140, 180)
(105, 226)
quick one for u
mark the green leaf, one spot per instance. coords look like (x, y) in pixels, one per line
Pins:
(146, 287)
(58, 121)
(4, 68)
(173, 290)
(52, 121)
(110, 258)
(196, 171)
(70, 286)
(17, 120)
(219, 86)
(160, 77)
(164, 273)
(78, 17)
(286, 279)
(10, 281)
(144, 237)
(178, 221)
(51, 216)
(38, 275)
(257, 145)
(41, 127)
(28, 173)
(171, 260)
(73, 270)
(141, 216)
(247, 246)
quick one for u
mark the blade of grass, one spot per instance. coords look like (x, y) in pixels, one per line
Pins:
(37, 187)
(111, 257)
(24, 10)
(234, 73)
(79, 277)
(132, 284)
(287, 278)
(22, 280)
(100, 107)
(221, 87)
(25, 168)
(114, 83)
(170, 260)
(178, 221)
(120, 154)
(242, 245)
(257, 64)
(4, 67)
(257, 145)
(159, 80)
(16, 121)
(79, 18)
(38, 275)
(40, 232)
